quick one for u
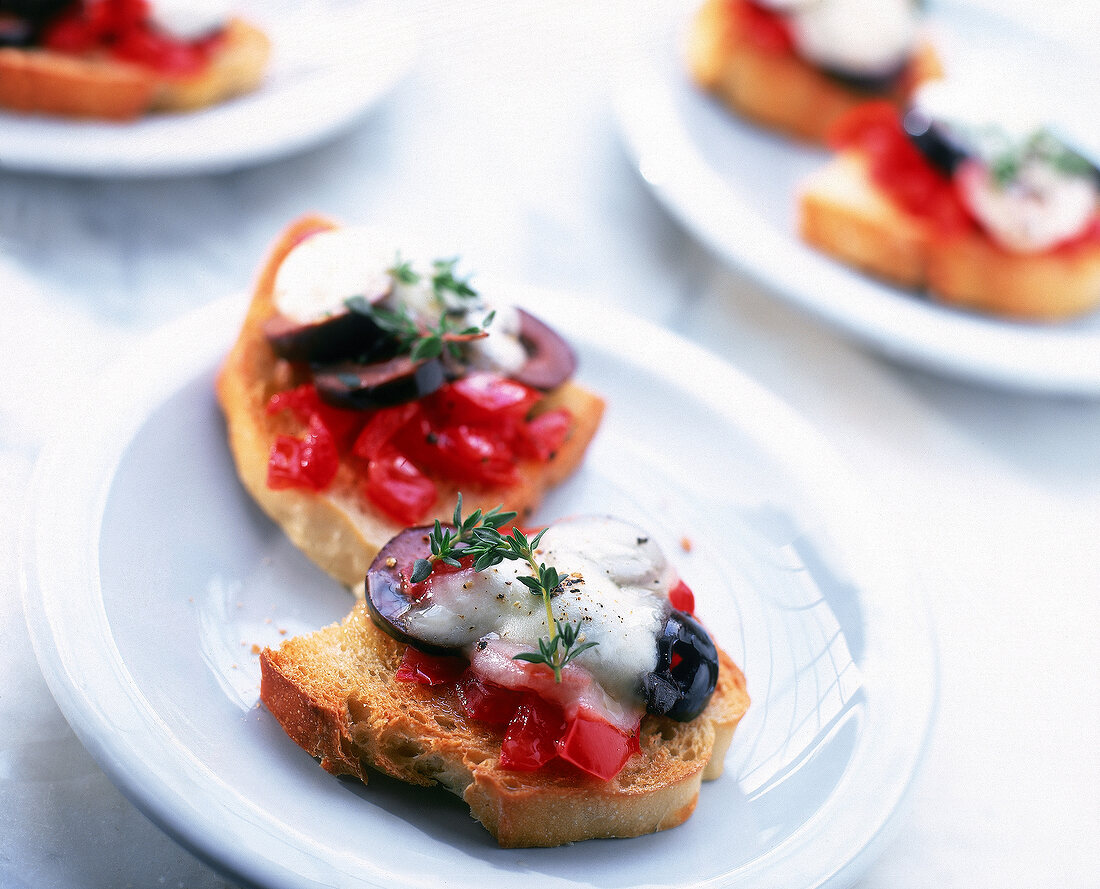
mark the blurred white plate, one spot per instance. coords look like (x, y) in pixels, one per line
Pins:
(149, 575)
(331, 61)
(733, 185)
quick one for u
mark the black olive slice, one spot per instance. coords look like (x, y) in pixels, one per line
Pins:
(682, 692)
(388, 601)
(550, 360)
(873, 84)
(933, 140)
(382, 384)
(337, 337)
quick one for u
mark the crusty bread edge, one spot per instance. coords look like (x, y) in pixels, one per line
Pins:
(334, 529)
(844, 214)
(47, 82)
(312, 703)
(781, 91)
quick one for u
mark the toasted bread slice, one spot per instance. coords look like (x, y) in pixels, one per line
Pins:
(47, 82)
(780, 90)
(338, 529)
(843, 213)
(335, 693)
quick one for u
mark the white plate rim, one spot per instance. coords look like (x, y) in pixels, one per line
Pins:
(146, 148)
(60, 555)
(1030, 358)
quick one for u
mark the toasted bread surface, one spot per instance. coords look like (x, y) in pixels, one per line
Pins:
(338, 529)
(335, 693)
(842, 212)
(780, 90)
(47, 82)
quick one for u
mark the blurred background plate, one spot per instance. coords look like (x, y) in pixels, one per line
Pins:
(151, 580)
(733, 185)
(331, 60)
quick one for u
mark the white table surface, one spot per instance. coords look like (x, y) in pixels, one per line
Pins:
(501, 138)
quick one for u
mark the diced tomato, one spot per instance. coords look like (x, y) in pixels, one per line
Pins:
(461, 453)
(532, 735)
(429, 669)
(484, 398)
(542, 437)
(488, 702)
(304, 402)
(897, 166)
(398, 488)
(144, 46)
(381, 428)
(309, 462)
(682, 598)
(596, 747)
(763, 28)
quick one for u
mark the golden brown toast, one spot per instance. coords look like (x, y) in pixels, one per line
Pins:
(338, 529)
(843, 213)
(778, 90)
(335, 694)
(47, 82)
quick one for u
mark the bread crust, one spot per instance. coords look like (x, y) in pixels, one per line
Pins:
(337, 529)
(777, 90)
(335, 693)
(47, 82)
(843, 213)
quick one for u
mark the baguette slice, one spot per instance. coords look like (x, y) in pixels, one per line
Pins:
(338, 529)
(47, 82)
(843, 213)
(335, 694)
(777, 90)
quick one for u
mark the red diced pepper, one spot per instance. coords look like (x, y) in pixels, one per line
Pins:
(309, 462)
(543, 436)
(532, 735)
(381, 428)
(682, 598)
(398, 488)
(596, 747)
(429, 669)
(488, 702)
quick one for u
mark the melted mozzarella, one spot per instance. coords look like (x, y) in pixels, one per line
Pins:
(1039, 209)
(326, 269)
(191, 19)
(870, 37)
(616, 583)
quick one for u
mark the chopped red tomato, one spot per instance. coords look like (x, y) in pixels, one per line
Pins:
(682, 598)
(762, 27)
(429, 669)
(487, 702)
(531, 738)
(304, 402)
(596, 747)
(398, 488)
(122, 29)
(309, 462)
(544, 435)
(484, 398)
(897, 167)
(381, 428)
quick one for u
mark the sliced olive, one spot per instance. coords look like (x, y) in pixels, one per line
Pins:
(682, 690)
(337, 337)
(874, 84)
(933, 140)
(381, 384)
(388, 601)
(550, 360)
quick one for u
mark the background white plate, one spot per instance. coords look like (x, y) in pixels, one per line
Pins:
(330, 61)
(733, 185)
(149, 574)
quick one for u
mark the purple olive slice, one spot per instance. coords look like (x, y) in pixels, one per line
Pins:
(381, 384)
(343, 335)
(550, 360)
(391, 608)
(933, 140)
(682, 692)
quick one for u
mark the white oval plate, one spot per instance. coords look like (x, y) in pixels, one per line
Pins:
(149, 575)
(733, 185)
(331, 60)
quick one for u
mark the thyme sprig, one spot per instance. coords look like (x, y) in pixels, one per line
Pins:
(421, 340)
(444, 542)
(480, 538)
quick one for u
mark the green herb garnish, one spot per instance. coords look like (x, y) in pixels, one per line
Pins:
(480, 538)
